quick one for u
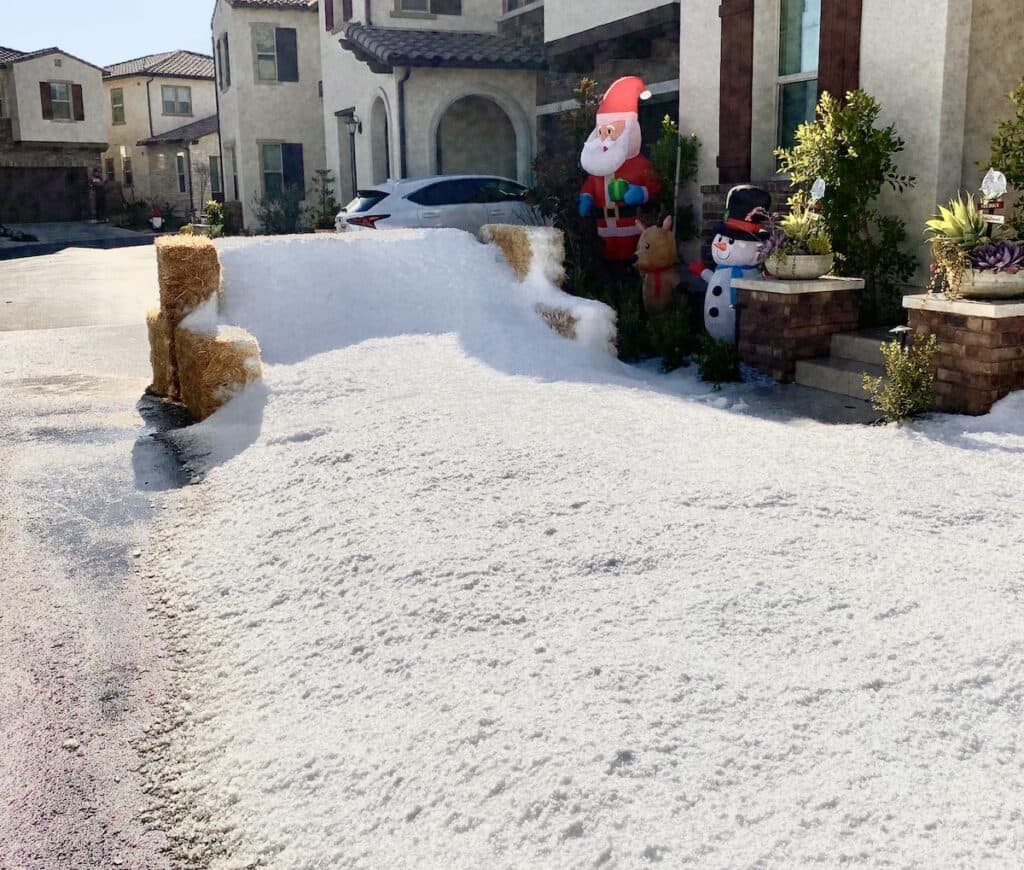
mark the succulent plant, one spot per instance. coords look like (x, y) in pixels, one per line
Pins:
(1005, 257)
(961, 223)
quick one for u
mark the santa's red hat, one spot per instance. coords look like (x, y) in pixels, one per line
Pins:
(622, 100)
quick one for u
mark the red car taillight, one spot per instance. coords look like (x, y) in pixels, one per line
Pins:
(369, 221)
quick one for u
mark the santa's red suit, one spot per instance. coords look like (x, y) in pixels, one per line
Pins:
(616, 221)
(620, 181)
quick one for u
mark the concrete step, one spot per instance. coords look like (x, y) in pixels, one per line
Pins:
(842, 376)
(862, 346)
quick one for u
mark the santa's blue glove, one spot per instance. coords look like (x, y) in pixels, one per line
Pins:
(636, 195)
(586, 204)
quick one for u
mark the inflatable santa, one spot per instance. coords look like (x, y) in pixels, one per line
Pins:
(620, 180)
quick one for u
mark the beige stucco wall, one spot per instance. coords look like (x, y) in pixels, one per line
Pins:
(27, 114)
(252, 112)
(699, 83)
(996, 68)
(476, 15)
(123, 137)
(565, 17)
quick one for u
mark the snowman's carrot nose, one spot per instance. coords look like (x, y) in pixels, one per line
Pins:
(721, 246)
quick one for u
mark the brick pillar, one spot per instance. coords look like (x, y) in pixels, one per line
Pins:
(981, 350)
(783, 322)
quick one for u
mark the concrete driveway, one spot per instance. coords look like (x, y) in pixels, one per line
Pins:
(53, 237)
(83, 666)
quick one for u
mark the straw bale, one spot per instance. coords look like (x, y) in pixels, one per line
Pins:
(523, 246)
(189, 273)
(213, 366)
(561, 320)
(161, 355)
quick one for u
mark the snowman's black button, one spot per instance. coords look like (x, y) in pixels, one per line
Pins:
(713, 312)
(717, 291)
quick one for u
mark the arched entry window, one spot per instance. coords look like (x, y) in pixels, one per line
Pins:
(475, 135)
(380, 142)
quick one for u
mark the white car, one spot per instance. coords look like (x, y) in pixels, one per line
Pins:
(465, 202)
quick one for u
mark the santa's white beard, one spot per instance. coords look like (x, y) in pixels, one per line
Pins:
(604, 158)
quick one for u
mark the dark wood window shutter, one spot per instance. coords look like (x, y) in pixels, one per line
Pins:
(78, 102)
(736, 103)
(287, 55)
(227, 63)
(446, 7)
(291, 162)
(346, 10)
(329, 15)
(839, 52)
(46, 99)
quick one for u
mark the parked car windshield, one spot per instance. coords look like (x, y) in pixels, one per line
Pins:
(366, 200)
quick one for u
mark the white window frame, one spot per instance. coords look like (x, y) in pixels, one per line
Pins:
(263, 165)
(181, 170)
(781, 81)
(68, 102)
(176, 101)
(115, 106)
(257, 55)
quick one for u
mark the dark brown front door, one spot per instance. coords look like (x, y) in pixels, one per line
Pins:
(43, 195)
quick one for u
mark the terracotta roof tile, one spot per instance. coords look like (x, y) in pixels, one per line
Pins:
(7, 54)
(171, 64)
(310, 5)
(386, 47)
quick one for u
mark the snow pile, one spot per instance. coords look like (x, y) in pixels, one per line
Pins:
(471, 598)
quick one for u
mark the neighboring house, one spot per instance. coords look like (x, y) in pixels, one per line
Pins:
(52, 132)
(268, 79)
(939, 68)
(605, 40)
(162, 116)
(420, 87)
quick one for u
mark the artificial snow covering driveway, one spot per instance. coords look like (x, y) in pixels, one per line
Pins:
(457, 592)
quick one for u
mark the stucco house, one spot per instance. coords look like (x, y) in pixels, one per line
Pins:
(52, 132)
(161, 112)
(419, 87)
(939, 68)
(269, 101)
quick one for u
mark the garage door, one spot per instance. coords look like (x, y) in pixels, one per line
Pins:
(35, 195)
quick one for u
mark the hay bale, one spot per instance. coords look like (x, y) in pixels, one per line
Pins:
(214, 365)
(189, 273)
(161, 355)
(527, 248)
(561, 320)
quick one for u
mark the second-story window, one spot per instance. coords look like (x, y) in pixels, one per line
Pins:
(277, 53)
(117, 106)
(434, 7)
(176, 100)
(60, 100)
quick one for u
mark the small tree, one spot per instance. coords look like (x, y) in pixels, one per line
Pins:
(203, 174)
(856, 160)
(670, 152)
(326, 204)
(1008, 154)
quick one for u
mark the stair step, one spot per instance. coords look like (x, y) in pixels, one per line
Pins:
(863, 346)
(842, 376)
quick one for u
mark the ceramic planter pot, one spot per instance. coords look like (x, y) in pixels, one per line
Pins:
(991, 285)
(799, 267)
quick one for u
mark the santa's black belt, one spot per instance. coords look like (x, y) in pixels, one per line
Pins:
(623, 212)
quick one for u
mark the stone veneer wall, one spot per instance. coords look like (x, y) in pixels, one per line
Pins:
(980, 359)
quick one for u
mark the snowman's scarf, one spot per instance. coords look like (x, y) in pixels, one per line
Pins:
(737, 272)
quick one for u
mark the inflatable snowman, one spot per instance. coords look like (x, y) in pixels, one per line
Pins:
(736, 250)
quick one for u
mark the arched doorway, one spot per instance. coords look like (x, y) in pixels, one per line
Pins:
(380, 141)
(475, 135)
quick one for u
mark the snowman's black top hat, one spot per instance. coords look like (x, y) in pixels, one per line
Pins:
(747, 211)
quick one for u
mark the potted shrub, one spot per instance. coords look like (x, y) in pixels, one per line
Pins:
(798, 247)
(973, 259)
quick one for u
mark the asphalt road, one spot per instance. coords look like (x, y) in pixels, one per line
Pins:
(82, 668)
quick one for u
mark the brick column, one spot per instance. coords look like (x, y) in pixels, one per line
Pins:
(783, 322)
(981, 350)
